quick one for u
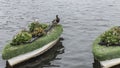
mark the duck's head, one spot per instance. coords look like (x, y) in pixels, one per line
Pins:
(56, 15)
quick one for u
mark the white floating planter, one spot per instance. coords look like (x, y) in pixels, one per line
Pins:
(110, 63)
(18, 59)
(20, 53)
(106, 48)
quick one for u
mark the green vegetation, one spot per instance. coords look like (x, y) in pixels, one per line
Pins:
(107, 52)
(12, 51)
(21, 37)
(35, 25)
(37, 32)
(37, 29)
(111, 37)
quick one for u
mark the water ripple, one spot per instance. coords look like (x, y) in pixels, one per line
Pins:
(82, 20)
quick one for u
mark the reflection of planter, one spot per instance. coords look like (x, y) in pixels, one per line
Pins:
(106, 56)
(17, 54)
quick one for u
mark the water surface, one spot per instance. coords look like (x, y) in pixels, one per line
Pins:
(83, 21)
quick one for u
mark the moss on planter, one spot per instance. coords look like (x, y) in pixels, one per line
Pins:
(103, 52)
(11, 51)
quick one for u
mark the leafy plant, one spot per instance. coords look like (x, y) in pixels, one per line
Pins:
(37, 29)
(35, 25)
(44, 26)
(21, 37)
(111, 37)
(37, 32)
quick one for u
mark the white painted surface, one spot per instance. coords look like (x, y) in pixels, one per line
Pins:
(110, 63)
(15, 60)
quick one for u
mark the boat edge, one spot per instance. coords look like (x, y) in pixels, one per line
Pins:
(15, 60)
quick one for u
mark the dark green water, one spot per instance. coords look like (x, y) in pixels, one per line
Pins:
(83, 21)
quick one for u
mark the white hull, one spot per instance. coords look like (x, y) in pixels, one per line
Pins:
(110, 63)
(18, 59)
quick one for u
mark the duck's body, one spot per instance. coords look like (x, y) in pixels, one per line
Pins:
(57, 20)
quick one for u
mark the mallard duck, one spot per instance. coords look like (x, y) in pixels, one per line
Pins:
(57, 20)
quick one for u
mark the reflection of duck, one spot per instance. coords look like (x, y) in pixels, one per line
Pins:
(44, 60)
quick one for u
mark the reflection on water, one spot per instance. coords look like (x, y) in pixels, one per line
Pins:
(45, 59)
(82, 20)
(96, 64)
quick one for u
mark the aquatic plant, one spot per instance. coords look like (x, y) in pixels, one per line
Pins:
(37, 32)
(21, 37)
(111, 37)
(35, 25)
(37, 29)
(44, 26)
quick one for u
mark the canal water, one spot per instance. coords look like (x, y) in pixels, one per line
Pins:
(82, 20)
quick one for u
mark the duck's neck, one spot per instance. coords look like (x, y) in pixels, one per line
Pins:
(57, 17)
